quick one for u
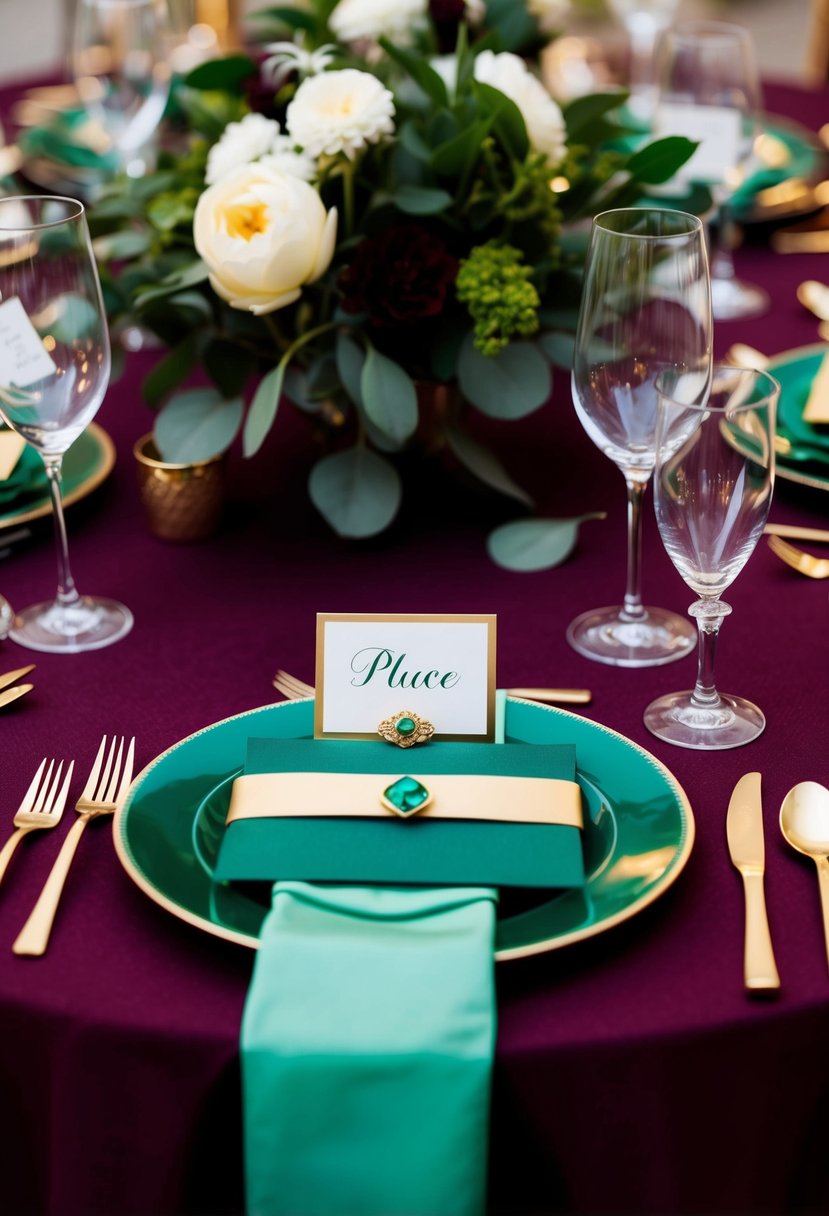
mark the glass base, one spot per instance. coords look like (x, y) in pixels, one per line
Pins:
(732, 299)
(676, 719)
(608, 636)
(87, 625)
(6, 617)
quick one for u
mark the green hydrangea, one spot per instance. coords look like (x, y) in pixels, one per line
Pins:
(495, 286)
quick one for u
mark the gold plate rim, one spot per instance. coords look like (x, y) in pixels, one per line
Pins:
(780, 360)
(506, 955)
(85, 488)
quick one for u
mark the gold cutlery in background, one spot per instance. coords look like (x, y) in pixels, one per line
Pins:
(42, 807)
(804, 563)
(297, 690)
(804, 821)
(11, 677)
(746, 846)
(795, 532)
(104, 791)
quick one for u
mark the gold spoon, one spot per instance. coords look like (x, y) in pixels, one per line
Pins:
(804, 821)
(815, 296)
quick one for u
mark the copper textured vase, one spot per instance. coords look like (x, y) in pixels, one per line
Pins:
(182, 502)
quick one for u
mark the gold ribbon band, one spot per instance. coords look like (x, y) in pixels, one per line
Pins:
(542, 800)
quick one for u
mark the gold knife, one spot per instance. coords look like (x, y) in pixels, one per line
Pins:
(10, 677)
(744, 829)
(11, 694)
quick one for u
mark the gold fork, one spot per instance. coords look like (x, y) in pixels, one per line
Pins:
(42, 807)
(805, 563)
(105, 789)
(297, 690)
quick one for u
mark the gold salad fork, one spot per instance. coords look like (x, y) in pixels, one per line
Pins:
(42, 807)
(297, 690)
(105, 789)
(804, 563)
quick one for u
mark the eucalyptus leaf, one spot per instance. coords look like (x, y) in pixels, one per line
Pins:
(188, 276)
(263, 409)
(560, 348)
(169, 372)
(389, 396)
(421, 200)
(485, 465)
(350, 360)
(227, 73)
(511, 384)
(196, 425)
(413, 142)
(296, 389)
(584, 111)
(659, 161)
(535, 544)
(356, 491)
(228, 366)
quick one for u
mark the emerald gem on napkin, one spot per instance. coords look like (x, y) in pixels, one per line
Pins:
(393, 850)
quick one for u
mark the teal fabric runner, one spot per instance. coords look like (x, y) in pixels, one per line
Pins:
(367, 1044)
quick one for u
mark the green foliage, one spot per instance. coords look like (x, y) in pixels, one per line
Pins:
(535, 544)
(495, 286)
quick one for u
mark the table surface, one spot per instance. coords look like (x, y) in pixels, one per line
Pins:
(632, 1072)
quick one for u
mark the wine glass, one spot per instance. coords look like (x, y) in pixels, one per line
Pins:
(712, 492)
(643, 21)
(54, 369)
(646, 307)
(120, 64)
(710, 91)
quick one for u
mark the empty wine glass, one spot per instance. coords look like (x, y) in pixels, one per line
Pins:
(643, 21)
(120, 64)
(709, 90)
(712, 492)
(54, 370)
(646, 307)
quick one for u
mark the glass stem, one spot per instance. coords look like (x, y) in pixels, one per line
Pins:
(67, 595)
(722, 261)
(632, 609)
(709, 616)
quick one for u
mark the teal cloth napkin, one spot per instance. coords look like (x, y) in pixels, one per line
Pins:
(390, 851)
(367, 1043)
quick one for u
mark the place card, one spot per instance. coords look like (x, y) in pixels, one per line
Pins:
(371, 666)
(23, 358)
(717, 129)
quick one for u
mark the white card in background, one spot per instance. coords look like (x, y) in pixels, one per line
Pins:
(371, 666)
(717, 129)
(23, 357)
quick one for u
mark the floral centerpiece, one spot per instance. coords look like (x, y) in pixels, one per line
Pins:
(388, 196)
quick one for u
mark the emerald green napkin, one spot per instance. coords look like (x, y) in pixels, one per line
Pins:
(393, 851)
(366, 1045)
(28, 477)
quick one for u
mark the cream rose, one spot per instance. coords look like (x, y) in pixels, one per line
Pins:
(543, 118)
(263, 234)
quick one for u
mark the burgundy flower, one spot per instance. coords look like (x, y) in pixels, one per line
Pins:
(403, 274)
(446, 17)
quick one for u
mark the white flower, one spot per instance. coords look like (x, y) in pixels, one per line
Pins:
(368, 20)
(286, 158)
(548, 13)
(287, 57)
(543, 118)
(263, 235)
(340, 112)
(240, 143)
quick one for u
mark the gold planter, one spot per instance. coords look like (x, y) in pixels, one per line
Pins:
(182, 502)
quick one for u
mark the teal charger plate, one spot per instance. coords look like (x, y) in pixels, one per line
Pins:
(795, 370)
(638, 837)
(86, 464)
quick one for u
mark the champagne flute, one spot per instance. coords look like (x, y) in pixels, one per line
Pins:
(712, 492)
(54, 370)
(646, 307)
(710, 91)
(120, 64)
(643, 21)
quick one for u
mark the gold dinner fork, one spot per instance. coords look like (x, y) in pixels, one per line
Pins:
(105, 789)
(42, 807)
(805, 563)
(297, 690)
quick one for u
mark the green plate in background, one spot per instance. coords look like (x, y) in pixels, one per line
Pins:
(806, 465)
(85, 465)
(639, 833)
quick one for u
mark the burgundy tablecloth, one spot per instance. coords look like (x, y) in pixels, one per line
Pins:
(632, 1073)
